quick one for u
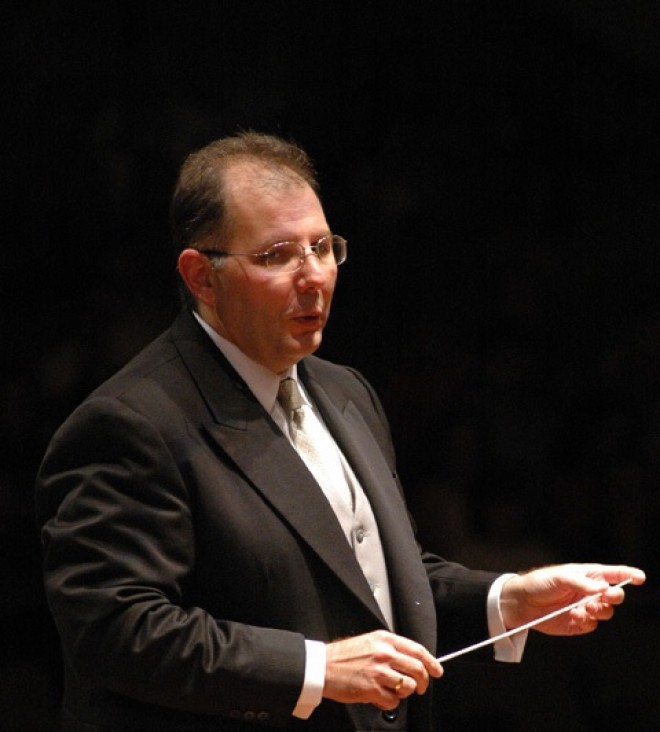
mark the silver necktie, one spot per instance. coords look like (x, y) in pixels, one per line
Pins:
(316, 448)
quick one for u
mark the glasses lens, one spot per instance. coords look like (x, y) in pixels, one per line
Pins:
(324, 249)
(339, 249)
(288, 256)
(284, 257)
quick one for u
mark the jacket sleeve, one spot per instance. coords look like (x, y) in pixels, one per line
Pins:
(119, 553)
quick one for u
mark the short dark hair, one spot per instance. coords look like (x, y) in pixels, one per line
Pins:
(198, 207)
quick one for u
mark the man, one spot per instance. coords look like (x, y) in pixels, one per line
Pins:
(210, 566)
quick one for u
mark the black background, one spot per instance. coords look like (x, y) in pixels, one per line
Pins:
(495, 168)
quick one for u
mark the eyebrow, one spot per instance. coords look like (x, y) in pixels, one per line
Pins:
(328, 232)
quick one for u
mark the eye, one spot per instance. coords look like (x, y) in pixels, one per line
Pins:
(324, 247)
(279, 255)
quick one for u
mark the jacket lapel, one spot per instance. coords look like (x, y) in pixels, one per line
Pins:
(412, 596)
(240, 427)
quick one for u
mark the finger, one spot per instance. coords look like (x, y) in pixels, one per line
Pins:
(413, 651)
(403, 686)
(415, 674)
(613, 596)
(615, 573)
(408, 676)
(606, 612)
(388, 705)
(582, 626)
(599, 610)
(593, 580)
(412, 677)
(586, 582)
(585, 618)
(395, 687)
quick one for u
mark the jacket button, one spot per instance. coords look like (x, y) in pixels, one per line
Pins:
(391, 715)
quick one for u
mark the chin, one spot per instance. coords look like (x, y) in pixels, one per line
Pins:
(306, 345)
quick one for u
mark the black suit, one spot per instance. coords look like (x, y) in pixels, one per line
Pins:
(189, 552)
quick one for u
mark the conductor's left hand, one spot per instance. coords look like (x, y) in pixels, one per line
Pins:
(529, 596)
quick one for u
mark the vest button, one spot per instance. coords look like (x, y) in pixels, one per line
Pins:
(391, 715)
(360, 534)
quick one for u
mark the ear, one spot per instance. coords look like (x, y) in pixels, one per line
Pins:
(198, 274)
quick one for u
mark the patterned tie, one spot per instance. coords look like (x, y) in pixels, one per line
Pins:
(316, 448)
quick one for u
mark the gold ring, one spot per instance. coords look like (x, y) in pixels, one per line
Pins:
(398, 684)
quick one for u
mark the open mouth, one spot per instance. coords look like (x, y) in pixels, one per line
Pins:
(309, 319)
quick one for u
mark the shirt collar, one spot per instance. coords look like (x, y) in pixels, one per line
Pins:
(262, 382)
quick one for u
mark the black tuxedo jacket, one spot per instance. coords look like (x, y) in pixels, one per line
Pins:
(188, 551)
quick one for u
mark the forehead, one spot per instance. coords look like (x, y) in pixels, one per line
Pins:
(254, 179)
(261, 197)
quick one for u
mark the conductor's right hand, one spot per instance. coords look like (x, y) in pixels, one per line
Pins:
(378, 668)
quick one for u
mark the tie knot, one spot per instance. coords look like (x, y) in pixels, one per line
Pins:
(289, 395)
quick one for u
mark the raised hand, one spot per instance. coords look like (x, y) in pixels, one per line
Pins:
(528, 596)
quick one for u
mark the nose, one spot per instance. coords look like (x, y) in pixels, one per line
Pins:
(309, 251)
(312, 273)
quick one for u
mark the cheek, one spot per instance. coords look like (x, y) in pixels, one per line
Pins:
(329, 290)
(274, 301)
(263, 302)
(332, 281)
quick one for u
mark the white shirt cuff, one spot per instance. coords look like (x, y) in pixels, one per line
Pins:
(312, 690)
(509, 650)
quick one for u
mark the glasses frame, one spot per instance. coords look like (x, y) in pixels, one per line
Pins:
(304, 252)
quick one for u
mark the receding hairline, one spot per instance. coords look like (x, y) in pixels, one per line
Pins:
(266, 176)
(253, 176)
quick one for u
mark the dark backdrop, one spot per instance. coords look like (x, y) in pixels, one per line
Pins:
(494, 166)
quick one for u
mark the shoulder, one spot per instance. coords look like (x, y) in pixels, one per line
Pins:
(160, 373)
(335, 376)
(149, 393)
(158, 360)
(343, 384)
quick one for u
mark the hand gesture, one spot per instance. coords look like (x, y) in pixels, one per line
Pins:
(378, 668)
(529, 596)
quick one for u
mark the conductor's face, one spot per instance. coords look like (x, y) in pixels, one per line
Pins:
(274, 315)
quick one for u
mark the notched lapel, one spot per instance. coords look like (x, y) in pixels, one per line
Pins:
(413, 600)
(267, 460)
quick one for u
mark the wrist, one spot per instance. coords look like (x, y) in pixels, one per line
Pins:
(510, 601)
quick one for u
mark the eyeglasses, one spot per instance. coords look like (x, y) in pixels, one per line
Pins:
(287, 257)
